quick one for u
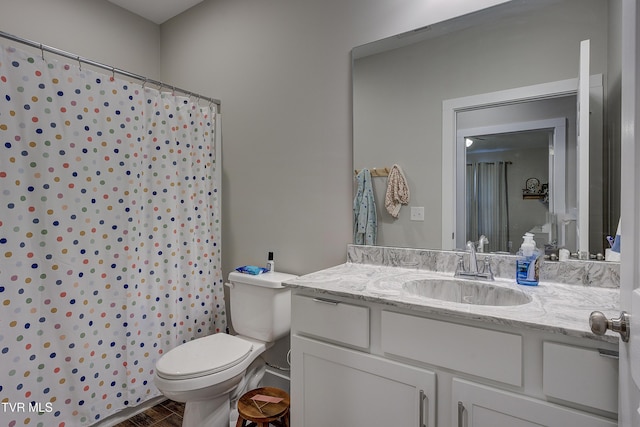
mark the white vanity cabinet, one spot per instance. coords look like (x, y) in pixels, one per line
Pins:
(332, 385)
(360, 363)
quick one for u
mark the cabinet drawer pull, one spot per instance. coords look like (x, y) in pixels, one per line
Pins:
(326, 301)
(461, 410)
(421, 404)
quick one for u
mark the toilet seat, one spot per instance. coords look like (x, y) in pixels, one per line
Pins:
(203, 356)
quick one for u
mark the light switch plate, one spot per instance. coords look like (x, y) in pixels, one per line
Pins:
(417, 213)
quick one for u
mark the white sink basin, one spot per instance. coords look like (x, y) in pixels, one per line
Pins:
(465, 292)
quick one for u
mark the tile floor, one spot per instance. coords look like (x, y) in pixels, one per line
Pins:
(164, 414)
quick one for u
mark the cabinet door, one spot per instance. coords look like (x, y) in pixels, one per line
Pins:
(476, 405)
(334, 386)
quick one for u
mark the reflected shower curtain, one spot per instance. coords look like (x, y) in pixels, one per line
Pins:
(487, 204)
(109, 239)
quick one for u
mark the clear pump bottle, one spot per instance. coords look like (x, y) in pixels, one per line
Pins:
(528, 262)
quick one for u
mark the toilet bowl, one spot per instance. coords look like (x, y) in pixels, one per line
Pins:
(204, 373)
(210, 373)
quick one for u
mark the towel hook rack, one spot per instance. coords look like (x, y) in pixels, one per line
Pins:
(376, 171)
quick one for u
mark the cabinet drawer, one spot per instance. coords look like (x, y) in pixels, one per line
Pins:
(331, 319)
(580, 375)
(488, 354)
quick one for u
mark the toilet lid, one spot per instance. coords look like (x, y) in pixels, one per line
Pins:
(203, 356)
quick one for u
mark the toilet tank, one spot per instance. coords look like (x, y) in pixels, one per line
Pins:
(260, 305)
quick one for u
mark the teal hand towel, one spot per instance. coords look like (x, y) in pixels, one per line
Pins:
(365, 222)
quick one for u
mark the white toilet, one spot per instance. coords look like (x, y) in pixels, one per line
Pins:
(212, 372)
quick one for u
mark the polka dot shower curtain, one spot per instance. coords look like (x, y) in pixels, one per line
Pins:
(109, 238)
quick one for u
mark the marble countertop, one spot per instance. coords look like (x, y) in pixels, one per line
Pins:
(554, 307)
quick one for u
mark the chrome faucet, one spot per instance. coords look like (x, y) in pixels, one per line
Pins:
(473, 259)
(473, 272)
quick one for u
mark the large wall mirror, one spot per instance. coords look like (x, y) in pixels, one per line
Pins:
(408, 88)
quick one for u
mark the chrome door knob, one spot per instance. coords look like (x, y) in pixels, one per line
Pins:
(599, 324)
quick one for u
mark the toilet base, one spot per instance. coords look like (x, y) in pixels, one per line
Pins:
(219, 411)
(208, 413)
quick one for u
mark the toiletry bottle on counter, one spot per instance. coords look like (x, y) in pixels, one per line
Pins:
(271, 265)
(528, 262)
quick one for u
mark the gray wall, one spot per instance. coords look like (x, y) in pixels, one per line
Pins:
(282, 70)
(398, 96)
(95, 29)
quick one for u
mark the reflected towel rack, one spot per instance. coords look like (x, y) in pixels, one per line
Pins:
(376, 171)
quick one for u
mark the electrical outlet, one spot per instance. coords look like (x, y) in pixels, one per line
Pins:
(417, 213)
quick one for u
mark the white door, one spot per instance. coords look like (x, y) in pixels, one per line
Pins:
(629, 368)
(629, 392)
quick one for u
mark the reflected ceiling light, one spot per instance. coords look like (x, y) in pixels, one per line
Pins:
(468, 142)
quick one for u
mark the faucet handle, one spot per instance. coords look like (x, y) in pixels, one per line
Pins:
(486, 268)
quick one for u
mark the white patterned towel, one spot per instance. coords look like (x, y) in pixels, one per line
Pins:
(397, 191)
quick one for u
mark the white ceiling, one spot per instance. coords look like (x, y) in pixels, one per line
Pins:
(156, 11)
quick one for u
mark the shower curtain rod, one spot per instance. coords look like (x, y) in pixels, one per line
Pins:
(44, 48)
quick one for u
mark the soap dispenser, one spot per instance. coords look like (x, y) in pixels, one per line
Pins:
(528, 262)
(271, 264)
